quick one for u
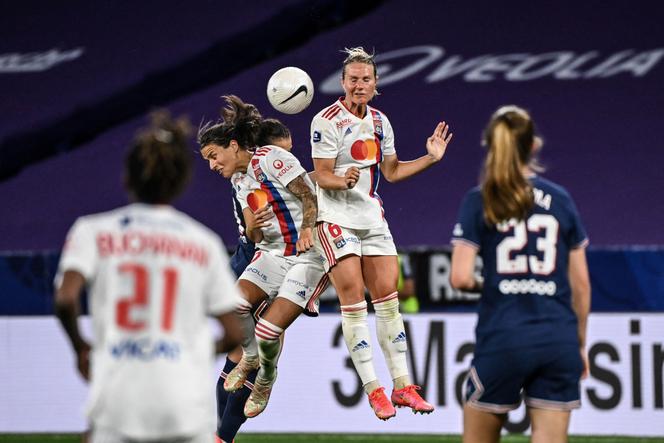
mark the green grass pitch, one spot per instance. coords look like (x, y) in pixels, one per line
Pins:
(330, 438)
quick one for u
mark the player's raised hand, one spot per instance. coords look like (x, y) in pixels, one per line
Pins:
(437, 143)
(351, 176)
(305, 241)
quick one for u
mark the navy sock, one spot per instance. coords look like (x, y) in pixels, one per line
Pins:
(222, 395)
(233, 416)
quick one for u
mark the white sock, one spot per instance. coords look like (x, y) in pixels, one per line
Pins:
(392, 335)
(269, 347)
(356, 335)
(249, 346)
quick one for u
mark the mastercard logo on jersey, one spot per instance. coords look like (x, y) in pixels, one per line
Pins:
(257, 199)
(364, 150)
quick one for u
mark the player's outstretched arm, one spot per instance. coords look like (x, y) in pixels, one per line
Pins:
(67, 310)
(462, 274)
(395, 170)
(302, 191)
(580, 284)
(326, 179)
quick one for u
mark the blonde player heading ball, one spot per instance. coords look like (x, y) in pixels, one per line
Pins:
(153, 275)
(352, 145)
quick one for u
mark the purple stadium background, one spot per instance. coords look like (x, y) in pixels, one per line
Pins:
(591, 73)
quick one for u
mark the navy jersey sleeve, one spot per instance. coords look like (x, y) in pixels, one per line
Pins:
(470, 220)
(576, 237)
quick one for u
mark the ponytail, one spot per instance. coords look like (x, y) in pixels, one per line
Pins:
(506, 193)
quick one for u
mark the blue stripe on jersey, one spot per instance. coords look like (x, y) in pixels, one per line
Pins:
(375, 179)
(239, 216)
(288, 229)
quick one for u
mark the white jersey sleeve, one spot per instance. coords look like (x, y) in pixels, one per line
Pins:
(324, 138)
(79, 252)
(283, 166)
(388, 137)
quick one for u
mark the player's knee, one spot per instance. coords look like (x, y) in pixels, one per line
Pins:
(387, 308)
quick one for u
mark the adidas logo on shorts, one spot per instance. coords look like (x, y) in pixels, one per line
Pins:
(302, 294)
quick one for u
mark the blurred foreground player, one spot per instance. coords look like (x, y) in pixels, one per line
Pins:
(153, 275)
(531, 329)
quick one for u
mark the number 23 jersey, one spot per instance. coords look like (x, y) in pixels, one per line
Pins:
(526, 299)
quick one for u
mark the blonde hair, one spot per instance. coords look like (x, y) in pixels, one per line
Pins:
(358, 55)
(509, 137)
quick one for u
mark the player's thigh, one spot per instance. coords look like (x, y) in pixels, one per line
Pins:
(346, 277)
(380, 265)
(381, 273)
(263, 276)
(481, 426)
(548, 425)
(282, 312)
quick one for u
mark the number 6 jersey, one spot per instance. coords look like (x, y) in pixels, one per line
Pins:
(153, 276)
(525, 269)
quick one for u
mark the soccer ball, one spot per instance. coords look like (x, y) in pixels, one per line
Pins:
(290, 90)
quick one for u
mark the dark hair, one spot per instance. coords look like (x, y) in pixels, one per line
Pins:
(270, 131)
(506, 193)
(239, 121)
(158, 165)
(358, 55)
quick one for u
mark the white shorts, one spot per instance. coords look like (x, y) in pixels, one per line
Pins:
(300, 279)
(335, 242)
(103, 435)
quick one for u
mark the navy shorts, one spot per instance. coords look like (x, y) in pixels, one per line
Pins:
(242, 257)
(546, 377)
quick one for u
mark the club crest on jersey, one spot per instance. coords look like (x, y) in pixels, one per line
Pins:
(316, 137)
(378, 125)
(260, 175)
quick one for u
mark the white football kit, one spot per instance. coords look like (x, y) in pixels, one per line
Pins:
(338, 134)
(352, 220)
(276, 268)
(153, 274)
